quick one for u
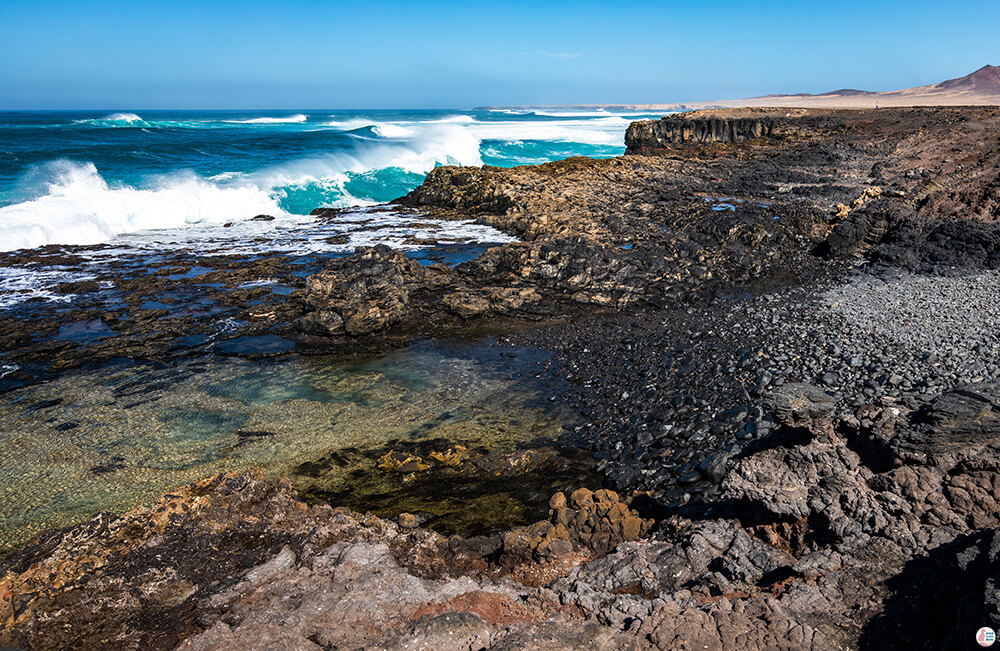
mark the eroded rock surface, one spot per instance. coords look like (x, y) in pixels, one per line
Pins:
(727, 126)
(816, 540)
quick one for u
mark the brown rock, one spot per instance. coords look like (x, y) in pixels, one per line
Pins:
(581, 498)
(557, 501)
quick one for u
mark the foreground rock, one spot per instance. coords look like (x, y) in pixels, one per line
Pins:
(210, 555)
(819, 537)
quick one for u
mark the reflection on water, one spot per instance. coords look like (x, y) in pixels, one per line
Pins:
(110, 439)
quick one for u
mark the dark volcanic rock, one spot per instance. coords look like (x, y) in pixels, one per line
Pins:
(362, 293)
(801, 405)
(726, 126)
(964, 417)
(940, 600)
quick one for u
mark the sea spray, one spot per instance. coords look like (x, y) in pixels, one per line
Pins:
(80, 207)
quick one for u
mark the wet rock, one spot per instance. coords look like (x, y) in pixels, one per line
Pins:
(78, 287)
(363, 293)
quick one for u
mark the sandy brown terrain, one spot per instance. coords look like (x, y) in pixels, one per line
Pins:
(980, 88)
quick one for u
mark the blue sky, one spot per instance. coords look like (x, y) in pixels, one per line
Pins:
(435, 54)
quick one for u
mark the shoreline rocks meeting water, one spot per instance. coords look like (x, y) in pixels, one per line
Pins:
(778, 331)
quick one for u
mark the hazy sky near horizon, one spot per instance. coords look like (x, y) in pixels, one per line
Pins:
(304, 54)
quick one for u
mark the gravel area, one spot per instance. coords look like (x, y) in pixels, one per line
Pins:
(901, 336)
(668, 396)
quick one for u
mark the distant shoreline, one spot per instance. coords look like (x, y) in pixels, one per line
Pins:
(885, 100)
(980, 88)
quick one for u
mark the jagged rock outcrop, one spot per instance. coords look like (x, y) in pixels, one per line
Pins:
(646, 135)
(726, 126)
(237, 560)
(362, 293)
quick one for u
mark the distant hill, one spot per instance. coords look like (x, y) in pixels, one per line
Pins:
(981, 87)
(986, 80)
(842, 91)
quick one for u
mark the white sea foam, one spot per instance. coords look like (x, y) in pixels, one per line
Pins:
(115, 120)
(601, 129)
(389, 130)
(19, 284)
(300, 235)
(572, 114)
(383, 129)
(596, 113)
(454, 119)
(349, 125)
(73, 204)
(76, 206)
(420, 153)
(591, 132)
(291, 119)
(127, 118)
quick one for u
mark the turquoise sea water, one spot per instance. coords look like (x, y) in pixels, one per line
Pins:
(85, 178)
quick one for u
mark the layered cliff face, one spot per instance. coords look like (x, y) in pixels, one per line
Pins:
(645, 133)
(726, 126)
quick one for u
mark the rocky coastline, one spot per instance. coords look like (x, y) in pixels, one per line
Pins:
(779, 329)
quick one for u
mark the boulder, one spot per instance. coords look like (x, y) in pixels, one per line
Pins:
(362, 293)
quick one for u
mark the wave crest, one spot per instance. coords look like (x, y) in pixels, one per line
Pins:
(291, 119)
(75, 205)
(127, 118)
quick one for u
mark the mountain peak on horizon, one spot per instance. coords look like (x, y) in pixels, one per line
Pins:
(986, 78)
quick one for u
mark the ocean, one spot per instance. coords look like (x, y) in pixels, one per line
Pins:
(88, 178)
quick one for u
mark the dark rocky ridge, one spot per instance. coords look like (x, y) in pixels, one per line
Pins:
(733, 126)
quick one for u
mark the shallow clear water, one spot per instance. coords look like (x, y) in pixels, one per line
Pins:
(115, 437)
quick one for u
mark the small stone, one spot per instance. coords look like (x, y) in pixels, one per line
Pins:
(690, 477)
(557, 501)
(581, 498)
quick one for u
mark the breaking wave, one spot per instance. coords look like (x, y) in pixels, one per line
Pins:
(71, 203)
(291, 119)
(76, 205)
